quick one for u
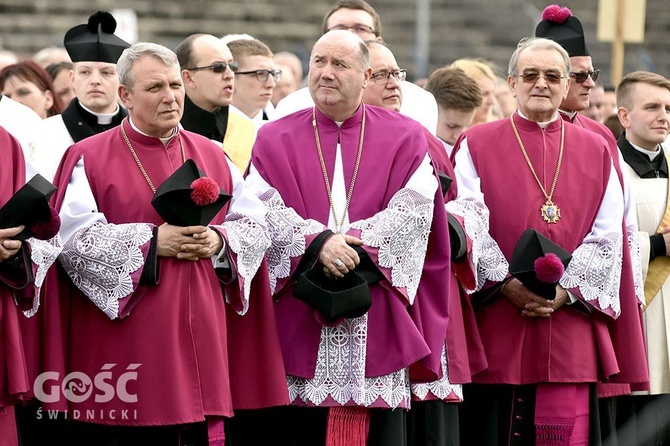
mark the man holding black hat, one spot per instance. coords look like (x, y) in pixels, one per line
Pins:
(544, 353)
(94, 49)
(150, 287)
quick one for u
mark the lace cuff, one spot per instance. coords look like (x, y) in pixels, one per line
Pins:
(401, 233)
(595, 270)
(248, 240)
(487, 259)
(288, 231)
(101, 258)
(636, 262)
(43, 254)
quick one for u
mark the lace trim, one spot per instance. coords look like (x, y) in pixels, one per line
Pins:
(441, 388)
(595, 269)
(287, 234)
(248, 240)
(100, 259)
(43, 254)
(487, 258)
(340, 372)
(401, 233)
(634, 246)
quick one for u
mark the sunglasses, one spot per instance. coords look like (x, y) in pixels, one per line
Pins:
(263, 75)
(218, 67)
(550, 77)
(581, 77)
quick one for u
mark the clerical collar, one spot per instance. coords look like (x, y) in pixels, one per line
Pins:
(211, 125)
(103, 118)
(570, 115)
(165, 140)
(541, 124)
(644, 165)
(651, 154)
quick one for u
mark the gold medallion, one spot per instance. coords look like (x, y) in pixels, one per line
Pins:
(550, 212)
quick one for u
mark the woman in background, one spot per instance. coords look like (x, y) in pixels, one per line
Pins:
(28, 83)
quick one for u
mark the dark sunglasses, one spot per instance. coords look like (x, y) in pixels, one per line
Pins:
(549, 77)
(218, 67)
(581, 77)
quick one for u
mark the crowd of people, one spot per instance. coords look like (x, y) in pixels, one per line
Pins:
(229, 254)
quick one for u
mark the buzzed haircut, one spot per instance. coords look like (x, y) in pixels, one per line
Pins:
(624, 91)
(454, 89)
(355, 5)
(243, 48)
(184, 51)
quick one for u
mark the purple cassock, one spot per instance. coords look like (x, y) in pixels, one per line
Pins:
(20, 281)
(160, 318)
(360, 361)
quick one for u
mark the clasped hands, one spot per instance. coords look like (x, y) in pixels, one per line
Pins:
(337, 257)
(530, 303)
(188, 242)
(9, 247)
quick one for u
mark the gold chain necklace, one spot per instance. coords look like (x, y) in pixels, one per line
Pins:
(549, 210)
(339, 223)
(139, 163)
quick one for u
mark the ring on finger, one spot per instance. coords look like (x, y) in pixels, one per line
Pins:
(338, 262)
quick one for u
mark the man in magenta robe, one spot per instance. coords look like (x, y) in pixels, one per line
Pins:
(536, 171)
(335, 177)
(149, 312)
(23, 267)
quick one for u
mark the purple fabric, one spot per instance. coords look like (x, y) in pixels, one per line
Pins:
(286, 157)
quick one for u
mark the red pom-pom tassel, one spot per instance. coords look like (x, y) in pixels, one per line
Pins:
(549, 268)
(556, 13)
(205, 191)
(44, 230)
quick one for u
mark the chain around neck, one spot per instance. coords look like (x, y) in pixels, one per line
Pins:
(339, 222)
(137, 159)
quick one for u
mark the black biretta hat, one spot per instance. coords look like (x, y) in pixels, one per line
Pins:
(537, 277)
(559, 25)
(183, 200)
(30, 206)
(95, 41)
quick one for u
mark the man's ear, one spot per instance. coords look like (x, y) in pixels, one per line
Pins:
(624, 117)
(125, 97)
(187, 77)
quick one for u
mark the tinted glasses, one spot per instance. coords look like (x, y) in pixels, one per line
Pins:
(581, 77)
(550, 77)
(218, 67)
(263, 75)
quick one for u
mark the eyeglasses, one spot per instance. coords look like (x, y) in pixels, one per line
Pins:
(357, 28)
(218, 67)
(549, 76)
(382, 77)
(581, 77)
(263, 75)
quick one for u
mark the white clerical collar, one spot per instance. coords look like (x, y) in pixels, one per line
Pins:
(541, 124)
(650, 153)
(103, 118)
(571, 115)
(165, 141)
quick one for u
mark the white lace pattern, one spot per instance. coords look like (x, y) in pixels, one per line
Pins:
(441, 388)
(401, 233)
(287, 234)
(248, 240)
(43, 254)
(340, 372)
(100, 259)
(634, 246)
(487, 259)
(595, 269)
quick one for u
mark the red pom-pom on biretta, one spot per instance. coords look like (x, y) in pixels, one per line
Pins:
(548, 268)
(205, 191)
(556, 13)
(45, 230)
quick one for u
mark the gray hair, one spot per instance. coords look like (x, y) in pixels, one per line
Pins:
(137, 51)
(538, 44)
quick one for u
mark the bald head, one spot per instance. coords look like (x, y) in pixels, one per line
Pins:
(338, 73)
